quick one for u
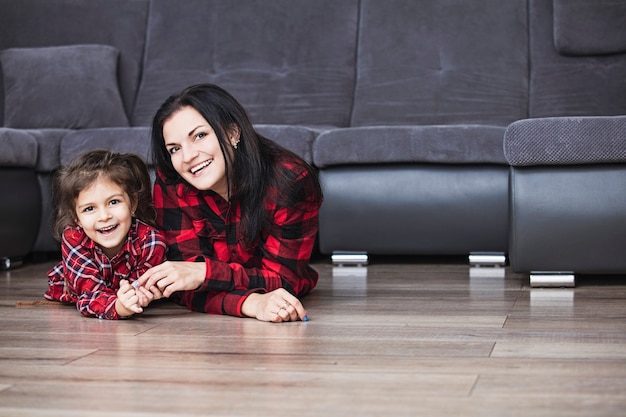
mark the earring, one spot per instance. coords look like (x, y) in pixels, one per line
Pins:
(236, 144)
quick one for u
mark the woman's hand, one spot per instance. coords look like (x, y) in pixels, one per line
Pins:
(171, 276)
(276, 306)
(127, 302)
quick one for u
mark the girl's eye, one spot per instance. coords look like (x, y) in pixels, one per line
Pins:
(114, 202)
(87, 209)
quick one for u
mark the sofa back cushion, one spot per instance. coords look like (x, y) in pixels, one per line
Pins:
(583, 27)
(575, 75)
(286, 61)
(118, 23)
(441, 62)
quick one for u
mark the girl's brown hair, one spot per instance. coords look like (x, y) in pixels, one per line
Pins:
(127, 170)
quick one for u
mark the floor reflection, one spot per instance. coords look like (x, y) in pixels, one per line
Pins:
(486, 279)
(541, 297)
(349, 281)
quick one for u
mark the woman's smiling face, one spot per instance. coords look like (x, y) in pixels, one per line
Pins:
(195, 151)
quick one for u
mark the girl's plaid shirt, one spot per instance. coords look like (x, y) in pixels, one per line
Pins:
(87, 277)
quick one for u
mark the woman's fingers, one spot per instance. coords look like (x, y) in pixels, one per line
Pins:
(170, 277)
(287, 306)
(288, 313)
(153, 275)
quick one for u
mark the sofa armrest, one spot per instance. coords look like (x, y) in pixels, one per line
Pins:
(566, 141)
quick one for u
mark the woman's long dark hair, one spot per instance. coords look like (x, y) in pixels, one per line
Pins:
(250, 169)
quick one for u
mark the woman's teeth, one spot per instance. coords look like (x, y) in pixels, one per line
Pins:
(199, 167)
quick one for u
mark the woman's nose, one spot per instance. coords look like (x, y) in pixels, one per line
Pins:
(189, 153)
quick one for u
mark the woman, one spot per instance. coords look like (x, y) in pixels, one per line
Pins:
(239, 212)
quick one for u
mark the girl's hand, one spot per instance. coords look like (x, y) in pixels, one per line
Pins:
(172, 276)
(146, 296)
(276, 306)
(127, 302)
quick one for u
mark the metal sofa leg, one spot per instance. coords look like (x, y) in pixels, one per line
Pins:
(487, 259)
(10, 263)
(340, 258)
(552, 279)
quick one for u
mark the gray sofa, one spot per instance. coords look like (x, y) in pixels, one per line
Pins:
(402, 105)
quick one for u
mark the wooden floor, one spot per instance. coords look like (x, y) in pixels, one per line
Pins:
(397, 338)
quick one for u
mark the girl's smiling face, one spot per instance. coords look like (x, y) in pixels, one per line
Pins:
(104, 211)
(195, 150)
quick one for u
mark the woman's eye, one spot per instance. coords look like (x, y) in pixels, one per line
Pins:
(173, 150)
(199, 136)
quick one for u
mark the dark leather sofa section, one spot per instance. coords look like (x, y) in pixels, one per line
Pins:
(401, 105)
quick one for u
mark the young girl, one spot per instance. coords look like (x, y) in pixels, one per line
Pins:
(105, 222)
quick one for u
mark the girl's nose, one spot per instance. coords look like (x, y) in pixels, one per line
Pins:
(105, 214)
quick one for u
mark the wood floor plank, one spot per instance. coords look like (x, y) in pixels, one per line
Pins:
(42, 354)
(615, 351)
(541, 385)
(195, 364)
(394, 338)
(221, 392)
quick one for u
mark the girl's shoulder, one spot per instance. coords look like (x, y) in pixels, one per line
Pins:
(75, 236)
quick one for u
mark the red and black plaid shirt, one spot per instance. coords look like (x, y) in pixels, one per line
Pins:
(87, 277)
(201, 226)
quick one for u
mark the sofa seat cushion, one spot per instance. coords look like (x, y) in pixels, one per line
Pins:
(19, 149)
(298, 139)
(454, 144)
(69, 87)
(566, 141)
(48, 143)
(137, 140)
(122, 139)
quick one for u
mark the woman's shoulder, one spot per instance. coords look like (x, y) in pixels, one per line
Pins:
(289, 162)
(172, 186)
(296, 180)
